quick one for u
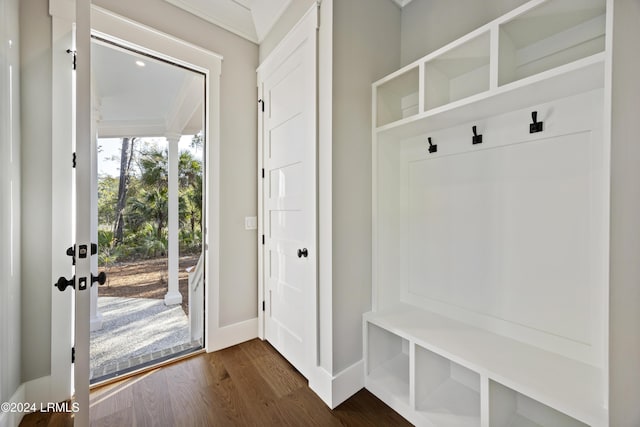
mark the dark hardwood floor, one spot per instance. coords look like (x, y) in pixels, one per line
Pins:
(246, 385)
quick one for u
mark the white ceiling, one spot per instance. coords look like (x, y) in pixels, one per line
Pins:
(251, 19)
(151, 100)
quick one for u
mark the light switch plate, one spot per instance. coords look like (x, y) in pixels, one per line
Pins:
(251, 223)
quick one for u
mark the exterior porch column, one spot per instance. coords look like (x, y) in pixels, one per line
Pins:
(173, 295)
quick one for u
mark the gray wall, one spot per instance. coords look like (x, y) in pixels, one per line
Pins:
(238, 264)
(35, 58)
(430, 24)
(624, 322)
(10, 325)
(365, 48)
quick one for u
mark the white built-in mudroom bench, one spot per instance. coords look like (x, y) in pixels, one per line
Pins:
(491, 169)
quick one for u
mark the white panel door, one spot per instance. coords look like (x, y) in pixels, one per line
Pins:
(288, 83)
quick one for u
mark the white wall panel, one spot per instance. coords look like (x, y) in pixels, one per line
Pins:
(508, 235)
(506, 231)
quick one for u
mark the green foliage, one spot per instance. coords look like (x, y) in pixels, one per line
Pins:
(107, 199)
(153, 164)
(146, 208)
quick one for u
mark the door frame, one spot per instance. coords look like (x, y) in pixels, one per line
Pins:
(307, 27)
(139, 37)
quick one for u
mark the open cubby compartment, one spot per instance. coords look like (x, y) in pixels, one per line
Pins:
(508, 408)
(550, 35)
(447, 394)
(457, 73)
(388, 362)
(397, 97)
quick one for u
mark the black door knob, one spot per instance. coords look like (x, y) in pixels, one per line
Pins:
(100, 278)
(63, 283)
(303, 253)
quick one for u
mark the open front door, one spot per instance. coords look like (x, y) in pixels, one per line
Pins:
(74, 191)
(83, 179)
(71, 204)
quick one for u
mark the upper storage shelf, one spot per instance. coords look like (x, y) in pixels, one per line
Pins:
(548, 36)
(397, 97)
(543, 50)
(458, 73)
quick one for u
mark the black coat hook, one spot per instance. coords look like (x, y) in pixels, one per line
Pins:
(433, 148)
(477, 139)
(536, 126)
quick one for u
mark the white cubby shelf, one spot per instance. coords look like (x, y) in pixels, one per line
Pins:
(570, 387)
(570, 79)
(546, 49)
(490, 280)
(388, 365)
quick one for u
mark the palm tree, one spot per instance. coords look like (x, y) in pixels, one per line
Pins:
(153, 164)
(151, 205)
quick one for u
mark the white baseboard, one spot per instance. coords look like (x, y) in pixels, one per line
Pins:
(320, 382)
(35, 391)
(348, 382)
(228, 336)
(12, 419)
(333, 390)
(38, 391)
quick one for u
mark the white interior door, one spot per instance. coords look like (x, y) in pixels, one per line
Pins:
(288, 83)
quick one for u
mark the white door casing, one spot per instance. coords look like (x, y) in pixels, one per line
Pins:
(287, 80)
